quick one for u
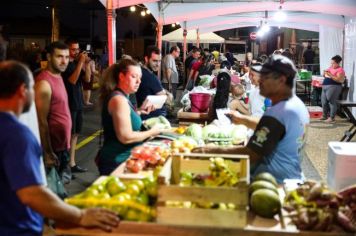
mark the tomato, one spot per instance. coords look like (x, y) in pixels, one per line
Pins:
(130, 163)
(152, 160)
(136, 152)
(145, 154)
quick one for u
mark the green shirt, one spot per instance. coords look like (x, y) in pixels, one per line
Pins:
(113, 151)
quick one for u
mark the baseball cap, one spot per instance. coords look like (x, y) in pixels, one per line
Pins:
(279, 64)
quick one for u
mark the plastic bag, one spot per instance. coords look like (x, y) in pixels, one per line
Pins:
(55, 183)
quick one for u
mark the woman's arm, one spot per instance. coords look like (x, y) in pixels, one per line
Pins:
(339, 77)
(119, 109)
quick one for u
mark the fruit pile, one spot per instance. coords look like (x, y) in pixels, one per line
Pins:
(313, 206)
(183, 145)
(131, 201)
(220, 175)
(146, 157)
(264, 197)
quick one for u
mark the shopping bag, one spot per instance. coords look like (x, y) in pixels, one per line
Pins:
(55, 183)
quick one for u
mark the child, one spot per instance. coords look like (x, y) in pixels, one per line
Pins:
(236, 100)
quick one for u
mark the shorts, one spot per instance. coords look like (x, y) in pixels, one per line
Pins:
(77, 121)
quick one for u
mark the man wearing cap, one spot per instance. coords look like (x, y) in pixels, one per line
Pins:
(276, 144)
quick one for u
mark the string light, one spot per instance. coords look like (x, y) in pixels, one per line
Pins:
(143, 12)
(132, 8)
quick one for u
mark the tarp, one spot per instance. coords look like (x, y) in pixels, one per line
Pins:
(177, 37)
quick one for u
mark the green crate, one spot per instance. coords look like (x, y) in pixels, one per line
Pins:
(305, 75)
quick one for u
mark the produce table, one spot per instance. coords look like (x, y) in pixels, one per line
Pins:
(171, 186)
(186, 118)
(257, 227)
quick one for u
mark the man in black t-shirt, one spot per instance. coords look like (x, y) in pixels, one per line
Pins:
(308, 57)
(189, 61)
(150, 85)
(72, 78)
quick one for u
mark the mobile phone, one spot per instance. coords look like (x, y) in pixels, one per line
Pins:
(88, 48)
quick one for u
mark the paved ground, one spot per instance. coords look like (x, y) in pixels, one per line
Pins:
(314, 162)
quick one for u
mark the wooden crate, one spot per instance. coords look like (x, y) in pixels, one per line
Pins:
(199, 163)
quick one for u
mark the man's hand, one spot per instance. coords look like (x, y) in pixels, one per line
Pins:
(83, 57)
(236, 117)
(50, 159)
(97, 217)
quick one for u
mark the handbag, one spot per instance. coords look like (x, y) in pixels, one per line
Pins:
(54, 183)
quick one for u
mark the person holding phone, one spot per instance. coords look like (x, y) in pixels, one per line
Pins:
(331, 89)
(73, 77)
(120, 120)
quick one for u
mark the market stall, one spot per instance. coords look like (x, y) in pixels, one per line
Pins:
(163, 189)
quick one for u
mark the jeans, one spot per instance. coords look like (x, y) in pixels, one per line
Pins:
(329, 96)
(174, 88)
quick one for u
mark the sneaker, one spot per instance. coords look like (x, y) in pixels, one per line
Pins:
(330, 120)
(77, 169)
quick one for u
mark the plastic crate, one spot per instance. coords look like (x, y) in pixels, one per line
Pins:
(315, 111)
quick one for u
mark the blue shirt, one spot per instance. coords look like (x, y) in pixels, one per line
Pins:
(20, 161)
(150, 85)
(279, 138)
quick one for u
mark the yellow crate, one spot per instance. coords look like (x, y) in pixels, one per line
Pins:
(199, 163)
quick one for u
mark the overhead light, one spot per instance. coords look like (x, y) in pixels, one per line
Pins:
(280, 15)
(143, 13)
(148, 12)
(265, 28)
(132, 8)
(260, 33)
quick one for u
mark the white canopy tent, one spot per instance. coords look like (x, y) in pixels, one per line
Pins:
(329, 17)
(177, 37)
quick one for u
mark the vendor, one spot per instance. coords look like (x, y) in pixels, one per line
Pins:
(331, 89)
(276, 144)
(221, 98)
(121, 123)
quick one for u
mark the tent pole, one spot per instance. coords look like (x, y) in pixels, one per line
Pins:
(184, 40)
(198, 38)
(343, 43)
(111, 28)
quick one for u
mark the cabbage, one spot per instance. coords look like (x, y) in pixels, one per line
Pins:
(239, 134)
(209, 131)
(194, 131)
(205, 80)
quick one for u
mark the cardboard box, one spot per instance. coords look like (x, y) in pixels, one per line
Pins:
(341, 165)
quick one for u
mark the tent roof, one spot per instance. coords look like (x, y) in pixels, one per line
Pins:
(177, 36)
(212, 15)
